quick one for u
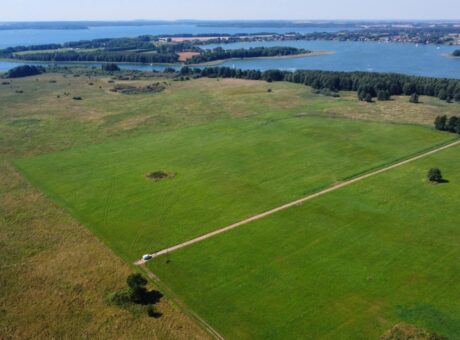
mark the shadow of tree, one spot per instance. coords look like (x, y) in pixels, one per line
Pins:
(151, 297)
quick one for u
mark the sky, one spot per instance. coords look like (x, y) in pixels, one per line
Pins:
(49, 10)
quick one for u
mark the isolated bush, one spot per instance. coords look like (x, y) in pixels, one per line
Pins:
(434, 175)
(414, 98)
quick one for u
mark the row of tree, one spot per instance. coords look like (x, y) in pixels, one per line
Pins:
(102, 56)
(368, 85)
(255, 52)
(451, 124)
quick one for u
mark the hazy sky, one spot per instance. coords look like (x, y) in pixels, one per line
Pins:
(16, 10)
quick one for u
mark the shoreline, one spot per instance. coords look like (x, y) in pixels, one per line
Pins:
(293, 56)
(181, 64)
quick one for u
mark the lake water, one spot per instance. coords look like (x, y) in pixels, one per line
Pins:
(425, 60)
(9, 38)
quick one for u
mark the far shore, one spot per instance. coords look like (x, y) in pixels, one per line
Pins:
(211, 63)
(302, 55)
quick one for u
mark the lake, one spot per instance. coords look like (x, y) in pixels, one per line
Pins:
(424, 60)
(9, 38)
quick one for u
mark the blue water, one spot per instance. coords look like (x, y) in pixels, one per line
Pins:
(9, 38)
(424, 60)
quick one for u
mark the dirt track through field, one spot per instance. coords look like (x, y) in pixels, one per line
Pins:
(297, 202)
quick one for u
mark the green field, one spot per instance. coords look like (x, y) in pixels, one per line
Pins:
(350, 264)
(347, 265)
(225, 172)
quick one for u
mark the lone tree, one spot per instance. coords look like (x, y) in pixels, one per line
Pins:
(435, 175)
(414, 98)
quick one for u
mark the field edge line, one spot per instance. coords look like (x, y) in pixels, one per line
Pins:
(172, 297)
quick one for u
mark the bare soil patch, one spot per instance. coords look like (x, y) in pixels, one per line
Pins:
(184, 56)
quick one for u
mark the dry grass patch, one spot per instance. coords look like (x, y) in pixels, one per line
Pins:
(397, 110)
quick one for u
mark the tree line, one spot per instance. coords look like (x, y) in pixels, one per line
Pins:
(134, 50)
(221, 54)
(368, 85)
(101, 56)
(451, 124)
(25, 71)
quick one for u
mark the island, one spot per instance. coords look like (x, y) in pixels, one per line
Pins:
(186, 50)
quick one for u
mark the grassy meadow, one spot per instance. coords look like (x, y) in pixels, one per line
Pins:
(224, 172)
(347, 265)
(236, 149)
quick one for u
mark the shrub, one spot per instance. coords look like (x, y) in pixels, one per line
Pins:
(120, 298)
(414, 98)
(434, 175)
(110, 67)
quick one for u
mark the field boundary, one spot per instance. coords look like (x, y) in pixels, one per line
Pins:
(300, 201)
(182, 306)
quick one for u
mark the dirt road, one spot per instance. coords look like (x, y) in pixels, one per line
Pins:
(297, 202)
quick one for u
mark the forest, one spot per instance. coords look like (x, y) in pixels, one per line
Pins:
(255, 52)
(366, 84)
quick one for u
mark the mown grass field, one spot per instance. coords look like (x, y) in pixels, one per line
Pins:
(347, 265)
(224, 172)
(51, 266)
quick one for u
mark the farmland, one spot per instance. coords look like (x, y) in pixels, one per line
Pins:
(224, 172)
(349, 264)
(356, 261)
